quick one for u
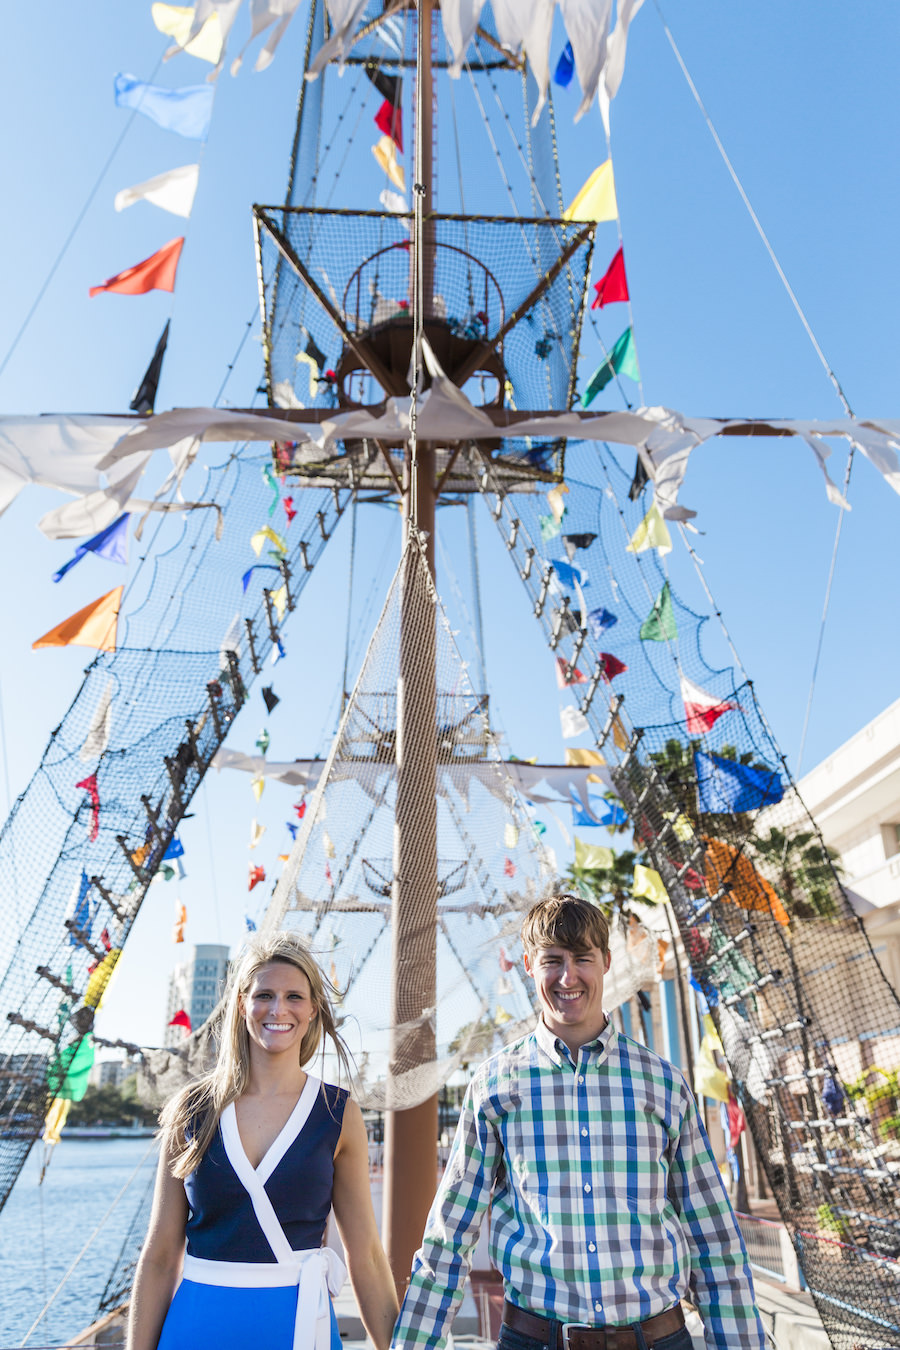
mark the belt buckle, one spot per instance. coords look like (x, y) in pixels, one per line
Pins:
(567, 1327)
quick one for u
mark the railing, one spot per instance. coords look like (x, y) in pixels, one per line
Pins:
(770, 1250)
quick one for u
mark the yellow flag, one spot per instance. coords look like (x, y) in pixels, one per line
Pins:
(93, 626)
(259, 786)
(597, 199)
(555, 500)
(257, 540)
(98, 983)
(510, 835)
(576, 756)
(501, 1016)
(648, 885)
(256, 833)
(327, 844)
(620, 735)
(279, 600)
(651, 533)
(681, 826)
(709, 1079)
(175, 21)
(385, 153)
(56, 1119)
(593, 855)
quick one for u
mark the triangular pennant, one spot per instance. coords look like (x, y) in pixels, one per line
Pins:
(702, 709)
(93, 626)
(612, 286)
(651, 533)
(659, 625)
(156, 273)
(111, 544)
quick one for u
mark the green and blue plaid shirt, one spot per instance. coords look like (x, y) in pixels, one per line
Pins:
(606, 1202)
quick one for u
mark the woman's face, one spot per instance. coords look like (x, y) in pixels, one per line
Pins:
(278, 1008)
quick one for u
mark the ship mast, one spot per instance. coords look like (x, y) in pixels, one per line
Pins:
(411, 1134)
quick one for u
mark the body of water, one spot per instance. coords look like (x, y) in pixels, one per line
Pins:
(44, 1227)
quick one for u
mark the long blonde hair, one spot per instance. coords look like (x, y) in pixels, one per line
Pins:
(189, 1121)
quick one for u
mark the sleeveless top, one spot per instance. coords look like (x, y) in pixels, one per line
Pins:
(298, 1176)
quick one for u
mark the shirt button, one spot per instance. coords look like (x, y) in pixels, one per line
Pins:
(584, 1131)
(587, 1185)
(598, 1306)
(591, 1247)
(581, 1078)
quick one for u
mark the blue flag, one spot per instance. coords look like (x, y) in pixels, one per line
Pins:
(251, 926)
(175, 850)
(292, 827)
(265, 567)
(582, 819)
(725, 787)
(565, 67)
(569, 574)
(111, 543)
(599, 620)
(81, 915)
(187, 111)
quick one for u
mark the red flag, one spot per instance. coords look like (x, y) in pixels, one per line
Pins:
(509, 868)
(736, 1121)
(156, 273)
(610, 666)
(257, 874)
(300, 808)
(104, 938)
(181, 1019)
(702, 709)
(612, 286)
(389, 119)
(90, 786)
(566, 676)
(505, 963)
(328, 874)
(290, 509)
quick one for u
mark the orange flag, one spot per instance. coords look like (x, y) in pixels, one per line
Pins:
(93, 626)
(156, 273)
(726, 864)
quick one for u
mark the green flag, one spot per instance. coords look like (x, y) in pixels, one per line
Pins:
(659, 625)
(622, 360)
(67, 1075)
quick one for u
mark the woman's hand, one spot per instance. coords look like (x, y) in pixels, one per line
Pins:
(370, 1274)
(162, 1256)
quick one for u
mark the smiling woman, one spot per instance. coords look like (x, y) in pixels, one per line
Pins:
(255, 1155)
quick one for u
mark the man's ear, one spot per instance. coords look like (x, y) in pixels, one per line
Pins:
(528, 969)
(608, 959)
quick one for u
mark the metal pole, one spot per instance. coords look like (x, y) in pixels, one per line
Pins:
(410, 1166)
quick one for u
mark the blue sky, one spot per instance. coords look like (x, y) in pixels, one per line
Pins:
(805, 99)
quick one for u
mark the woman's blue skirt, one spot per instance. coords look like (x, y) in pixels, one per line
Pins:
(203, 1316)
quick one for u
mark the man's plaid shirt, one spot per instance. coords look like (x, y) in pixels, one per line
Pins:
(606, 1202)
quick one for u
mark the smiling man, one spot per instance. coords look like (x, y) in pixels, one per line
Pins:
(606, 1204)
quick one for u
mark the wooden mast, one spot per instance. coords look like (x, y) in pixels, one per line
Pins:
(410, 1168)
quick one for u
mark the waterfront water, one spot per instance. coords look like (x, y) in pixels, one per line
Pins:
(43, 1228)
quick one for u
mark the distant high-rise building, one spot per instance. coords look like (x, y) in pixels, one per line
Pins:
(195, 986)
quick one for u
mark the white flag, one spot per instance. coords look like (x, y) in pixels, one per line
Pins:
(97, 738)
(587, 24)
(460, 19)
(573, 721)
(173, 191)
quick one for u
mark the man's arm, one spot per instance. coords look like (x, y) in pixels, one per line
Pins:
(720, 1272)
(442, 1262)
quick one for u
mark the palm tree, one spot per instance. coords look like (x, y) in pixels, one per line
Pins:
(804, 872)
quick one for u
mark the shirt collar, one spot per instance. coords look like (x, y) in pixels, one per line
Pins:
(559, 1053)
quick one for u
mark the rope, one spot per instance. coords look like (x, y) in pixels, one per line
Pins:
(418, 300)
(754, 217)
(476, 590)
(349, 598)
(59, 1288)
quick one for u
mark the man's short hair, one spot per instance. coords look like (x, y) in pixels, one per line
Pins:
(565, 921)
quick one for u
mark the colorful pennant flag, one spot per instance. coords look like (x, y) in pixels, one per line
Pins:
(390, 87)
(505, 964)
(327, 845)
(510, 834)
(612, 286)
(599, 620)
(509, 868)
(567, 675)
(290, 509)
(622, 360)
(565, 67)
(570, 575)
(269, 478)
(597, 199)
(648, 885)
(175, 849)
(270, 698)
(265, 567)
(176, 21)
(573, 721)
(257, 874)
(659, 625)
(111, 543)
(593, 857)
(258, 785)
(249, 924)
(610, 666)
(144, 398)
(725, 865)
(279, 600)
(572, 542)
(263, 741)
(256, 833)
(702, 709)
(651, 533)
(300, 808)
(171, 191)
(725, 787)
(81, 909)
(180, 921)
(181, 1019)
(385, 153)
(577, 756)
(93, 626)
(259, 538)
(550, 527)
(389, 119)
(187, 111)
(156, 273)
(97, 738)
(292, 828)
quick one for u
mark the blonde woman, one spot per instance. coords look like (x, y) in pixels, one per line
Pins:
(254, 1156)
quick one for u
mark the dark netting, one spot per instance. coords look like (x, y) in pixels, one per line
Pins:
(353, 269)
(808, 1020)
(90, 831)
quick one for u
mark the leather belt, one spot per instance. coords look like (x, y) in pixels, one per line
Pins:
(584, 1336)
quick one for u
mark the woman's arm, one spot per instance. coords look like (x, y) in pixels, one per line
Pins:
(159, 1268)
(370, 1273)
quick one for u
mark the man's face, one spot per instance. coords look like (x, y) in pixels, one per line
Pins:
(569, 987)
